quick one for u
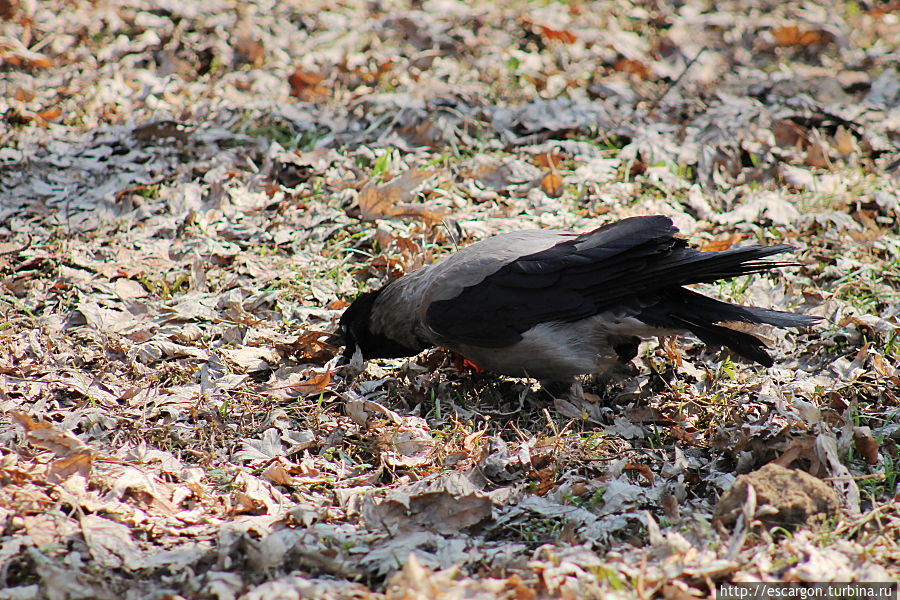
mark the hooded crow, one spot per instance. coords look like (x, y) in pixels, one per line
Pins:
(553, 304)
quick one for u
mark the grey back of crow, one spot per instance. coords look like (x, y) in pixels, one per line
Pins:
(553, 304)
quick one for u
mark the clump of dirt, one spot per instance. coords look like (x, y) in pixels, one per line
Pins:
(795, 497)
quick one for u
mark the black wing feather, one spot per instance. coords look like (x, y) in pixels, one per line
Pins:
(557, 284)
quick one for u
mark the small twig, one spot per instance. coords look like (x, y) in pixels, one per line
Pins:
(26, 246)
(856, 477)
(655, 104)
(450, 234)
(550, 422)
(872, 514)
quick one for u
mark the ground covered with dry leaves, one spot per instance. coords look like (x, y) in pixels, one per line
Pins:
(190, 193)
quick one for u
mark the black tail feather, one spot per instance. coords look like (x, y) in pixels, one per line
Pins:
(707, 267)
(746, 345)
(687, 265)
(685, 309)
(642, 270)
(687, 303)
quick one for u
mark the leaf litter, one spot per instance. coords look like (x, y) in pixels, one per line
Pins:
(190, 194)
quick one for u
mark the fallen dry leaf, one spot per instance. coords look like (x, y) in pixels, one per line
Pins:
(446, 503)
(391, 199)
(558, 35)
(722, 242)
(73, 455)
(110, 543)
(866, 444)
(793, 35)
(306, 84)
(644, 470)
(15, 54)
(552, 184)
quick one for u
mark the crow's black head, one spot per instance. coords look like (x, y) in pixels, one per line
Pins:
(354, 324)
(355, 327)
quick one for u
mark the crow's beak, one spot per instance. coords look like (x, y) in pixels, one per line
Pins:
(335, 340)
(352, 357)
(340, 338)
